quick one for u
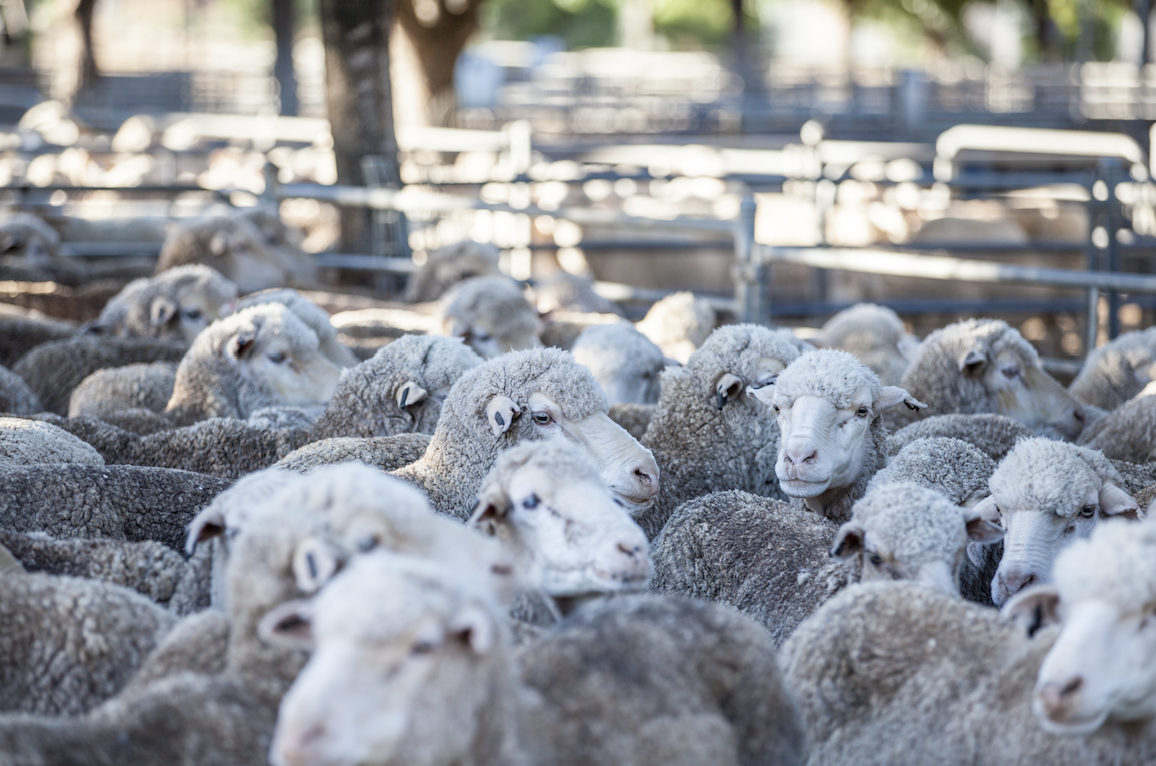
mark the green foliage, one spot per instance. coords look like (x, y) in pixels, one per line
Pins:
(581, 23)
(699, 23)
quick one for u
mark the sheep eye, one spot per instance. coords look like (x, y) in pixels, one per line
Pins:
(542, 418)
(862, 412)
(367, 543)
(480, 336)
(776, 407)
(876, 559)
(422, 647)
(530, 502)
(193, 313)
(1010, 371)
(619, 503)
(276, 358)
(1088, 511)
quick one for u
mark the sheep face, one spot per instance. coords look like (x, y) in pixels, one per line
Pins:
(1102, 667)
(407, 677)
(624, 362)
(1046, 495)
(573, 538)
(1026, 393)
(903, 531)
(491, 315)
(175, 305)
(289, 364)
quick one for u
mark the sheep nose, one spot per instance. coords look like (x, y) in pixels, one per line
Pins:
(645, 476)
(1056, 697)
(297, 751)
(1011, 582)
(802, 455)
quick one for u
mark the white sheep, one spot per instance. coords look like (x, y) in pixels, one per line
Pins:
(449, 265)
(829, 408)
(1047, 494)
(624, 362)
(678, 324)
(877, 338)
(491, 314)
(312, 315)
(1117, 371)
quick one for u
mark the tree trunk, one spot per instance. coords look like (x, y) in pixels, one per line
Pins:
(359, 98)
(431, 34)
(284, 31)
(86, 70)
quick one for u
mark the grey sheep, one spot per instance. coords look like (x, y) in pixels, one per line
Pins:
(983, 365)
(877, 338)
(387, 453)
(15, 395)
(70, 643)
(953, 467)
(449, 265)
(705, 692)
(32, 442)
(21, 331)
(678, 324)
(566, 292)
(312, 315)
(1125, 433)
(994, 435)
(134, 386)
(1117, 371)
(52, 370)
(114, 502)
(522, 396)
(242, 249)
(491, 315)
(147, 567)
(624, 361)
(29, 238)
(173, 306)
(707, 434)
(889, 673)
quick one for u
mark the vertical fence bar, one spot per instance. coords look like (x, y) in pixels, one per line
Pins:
(748, 273)
(1113, 222)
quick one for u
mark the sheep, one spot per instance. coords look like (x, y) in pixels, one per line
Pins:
(635, 418)
(240, 249)
(133, 386)
(1125, 433)
(678, 324)
(566, 292)
(955, 468)
(22, 330)
(547, 505)
(31, 442)
(707, 692)
(526, 395)
(706, 434)
(1114, 373)
(983, 365)
(1096, 681)
(261, 356)
(147, 567)
(447, 266)
(312, 315)
(15, 395)
(114, 502)
(386, 453)
(829, 408)
(994, 435)
(877, 338)
(175, 305)
(562, 328)
(624, 362)
(69, 643)
(778, 562)
(491, 315)
(52, 370)
(1048, 493)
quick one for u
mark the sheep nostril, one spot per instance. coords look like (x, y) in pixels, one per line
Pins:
(1072, 687)
(1079, 416)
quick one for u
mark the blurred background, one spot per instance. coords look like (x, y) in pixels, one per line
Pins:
(651, 145)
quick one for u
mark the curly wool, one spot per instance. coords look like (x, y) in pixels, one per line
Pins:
(950, 466)
(32, 442)
(1126, 433)
(387, 453)
(1051, 476)
(365, 404)
(495, 303)
(911, 524)
(700, 448)
(994, 435)
(15, 395)
(1116, 564)
(463, 447)
(52, 370)
(873, 334)
(314, 317)
(1114, 373)
(113, 390)
(129, 314)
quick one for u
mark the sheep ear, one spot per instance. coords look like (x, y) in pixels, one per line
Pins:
(92, 328)
(240, 345)
(491, 510)
(206, 525)
(1033, 608)
(848, 542)
(501, 413)
(986, 510)
(314, 564)
(727, 389)
(475, 628)
(980, 530)
(409, 393)
(219, 243)
(456, 329)
(973, 362)
(161, 311)
(1116, 502)
(889, 396)
(288, 625)
(765, 394)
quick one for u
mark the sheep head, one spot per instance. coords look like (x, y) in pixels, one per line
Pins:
(1046, 494)
(828, 406)
(174, 305)
(1102, 667)
(546, 503)
(491, 315)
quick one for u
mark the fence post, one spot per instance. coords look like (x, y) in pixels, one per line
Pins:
(748, 272)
